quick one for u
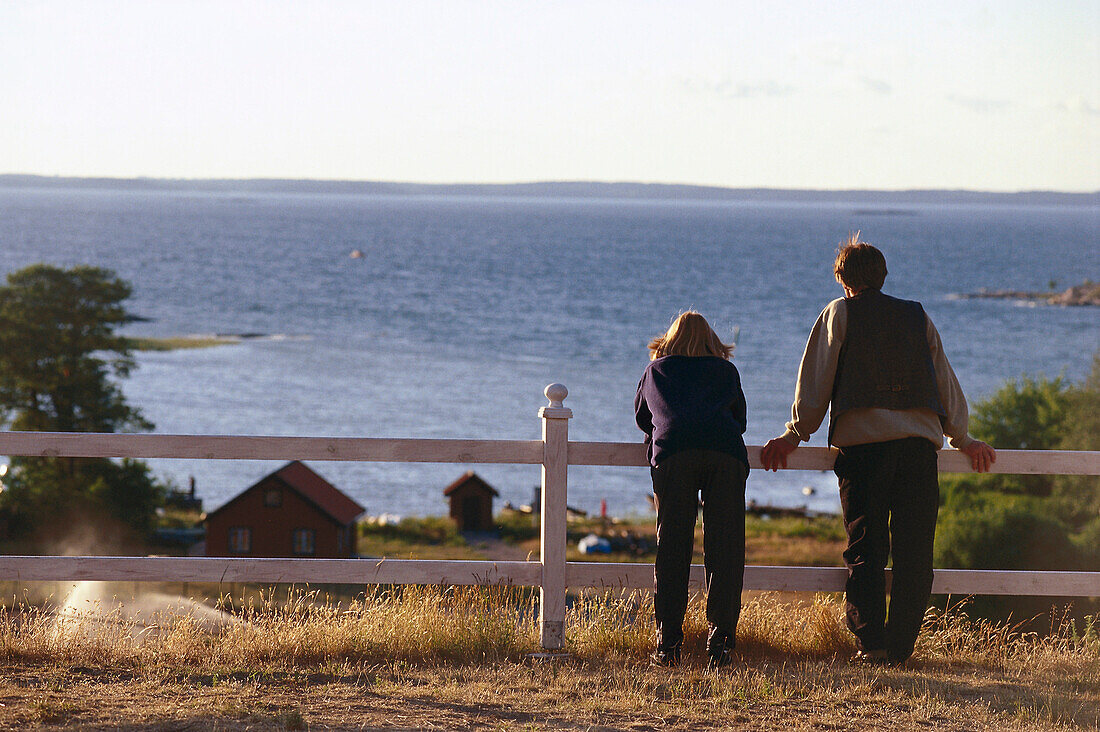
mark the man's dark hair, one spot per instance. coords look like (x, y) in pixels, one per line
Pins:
(859, 265)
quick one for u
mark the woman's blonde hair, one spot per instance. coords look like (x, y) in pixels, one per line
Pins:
(689, 335)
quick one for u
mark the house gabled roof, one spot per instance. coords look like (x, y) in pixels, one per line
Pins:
(318, 491)
(469, 477)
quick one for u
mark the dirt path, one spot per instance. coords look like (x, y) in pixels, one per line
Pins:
(565, 695)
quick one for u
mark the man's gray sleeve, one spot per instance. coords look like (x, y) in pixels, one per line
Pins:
(957, 419)
(817, 372)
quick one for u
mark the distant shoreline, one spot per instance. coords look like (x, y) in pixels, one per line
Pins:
(1086, 294)
(557, 189)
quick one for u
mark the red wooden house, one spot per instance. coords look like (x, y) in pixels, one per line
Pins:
(293, 512)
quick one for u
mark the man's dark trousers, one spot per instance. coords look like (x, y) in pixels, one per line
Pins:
(678, 483)
(889, 493)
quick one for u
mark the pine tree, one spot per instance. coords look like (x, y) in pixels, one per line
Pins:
(60, 356)
(59, 348)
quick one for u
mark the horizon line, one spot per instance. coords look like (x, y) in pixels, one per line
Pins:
(29, 177)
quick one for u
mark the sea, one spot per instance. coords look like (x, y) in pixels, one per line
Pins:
(462, 308)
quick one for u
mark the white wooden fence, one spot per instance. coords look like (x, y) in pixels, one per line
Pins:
(551, 573)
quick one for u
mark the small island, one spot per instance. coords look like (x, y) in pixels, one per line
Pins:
(1087, 293)
(178, 342)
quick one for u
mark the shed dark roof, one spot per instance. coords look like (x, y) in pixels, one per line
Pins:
(469, 477)
(315, 489)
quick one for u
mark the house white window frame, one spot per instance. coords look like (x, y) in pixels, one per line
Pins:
(303, 542)
(236, 546)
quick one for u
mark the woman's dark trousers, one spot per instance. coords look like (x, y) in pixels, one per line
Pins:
(889, 493)
(678, 483)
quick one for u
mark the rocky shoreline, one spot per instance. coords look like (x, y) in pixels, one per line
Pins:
(1087, 293)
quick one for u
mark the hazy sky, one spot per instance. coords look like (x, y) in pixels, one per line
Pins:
(961, 94)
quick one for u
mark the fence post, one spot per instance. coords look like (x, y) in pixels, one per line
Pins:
(555, 467)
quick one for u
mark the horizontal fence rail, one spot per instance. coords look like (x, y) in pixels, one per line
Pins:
(832, 579)
(412, 450)
(1013, 462)
(551, 573)
(591, 575)
(284, 571)
(253, 447)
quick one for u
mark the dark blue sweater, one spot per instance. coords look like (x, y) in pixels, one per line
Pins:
(691, 403)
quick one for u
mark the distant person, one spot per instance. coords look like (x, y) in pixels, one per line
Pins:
(692, 410)
(878, 362)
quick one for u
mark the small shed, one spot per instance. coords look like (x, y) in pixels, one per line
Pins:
(293, 512)
(471, 500)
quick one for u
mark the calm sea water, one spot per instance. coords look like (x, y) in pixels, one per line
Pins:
(462, 309)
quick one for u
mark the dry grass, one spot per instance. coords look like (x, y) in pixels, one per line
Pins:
(796, 551)
(424, 657)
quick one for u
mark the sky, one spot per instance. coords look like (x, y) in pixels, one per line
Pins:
(998, 96)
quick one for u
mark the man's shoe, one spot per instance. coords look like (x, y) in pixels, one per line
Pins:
(667, 657)
(876, 657)
(719, 659)
(720, 643)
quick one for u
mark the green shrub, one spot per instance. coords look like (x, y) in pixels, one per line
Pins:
(1029, 414)
(1000, 533)
(1077, 497)
(430, 530)
(517, 527)
(1027, 522)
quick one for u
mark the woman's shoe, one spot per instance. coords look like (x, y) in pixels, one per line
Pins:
(876, 657)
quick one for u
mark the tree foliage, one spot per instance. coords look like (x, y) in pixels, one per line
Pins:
(1025, 414)
(1004, 534)
(1078, 496)
(47, 497)
(59, 348)
(1037, 414)
(1037, 522)
(1029, 414)
(60, 358)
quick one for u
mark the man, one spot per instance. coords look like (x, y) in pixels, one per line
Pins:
(878, 363)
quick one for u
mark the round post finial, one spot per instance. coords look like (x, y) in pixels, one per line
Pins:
(556, 393)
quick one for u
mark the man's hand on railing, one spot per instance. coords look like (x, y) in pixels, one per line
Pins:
(981, 455)
(774, 454)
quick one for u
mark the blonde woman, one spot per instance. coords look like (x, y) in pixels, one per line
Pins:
(692, 410)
